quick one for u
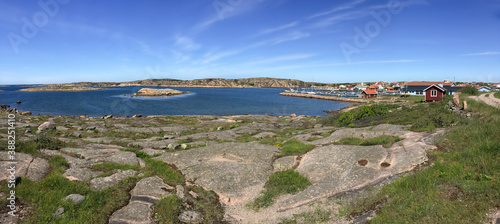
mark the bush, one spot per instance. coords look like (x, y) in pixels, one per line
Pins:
(469, 90)
(364, 111)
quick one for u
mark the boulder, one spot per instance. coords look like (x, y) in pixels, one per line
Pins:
(173, 146)
(62, 128)
(75, 198)
(38, 169)
(137, 116)
(465, 105)
(169, 136)
(22, 165)
(284, 163)
(184, 146)
(456, 99)
(59, 212)
(46, 126)
(76, 134)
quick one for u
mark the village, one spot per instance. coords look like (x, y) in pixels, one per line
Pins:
(433, 91)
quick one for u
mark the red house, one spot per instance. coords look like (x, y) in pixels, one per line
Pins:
(369, 94)
(434, 93)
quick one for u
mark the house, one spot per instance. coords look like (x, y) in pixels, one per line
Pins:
(418, 88)
(434, 93)
(372, 87)
(369, 94)
(484, 89)
(360, 87)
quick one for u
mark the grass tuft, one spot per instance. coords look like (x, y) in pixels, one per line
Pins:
(294, 147)
(384, 140)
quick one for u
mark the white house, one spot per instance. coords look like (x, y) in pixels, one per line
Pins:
(484, 89)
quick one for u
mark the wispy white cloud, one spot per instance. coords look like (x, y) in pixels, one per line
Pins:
(482, 53)
(296, 35)
(281, 59)
(186, 43)
(337, 9)
(216, 56)
(275, 29)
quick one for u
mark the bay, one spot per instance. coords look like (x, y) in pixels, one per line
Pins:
(201, 101)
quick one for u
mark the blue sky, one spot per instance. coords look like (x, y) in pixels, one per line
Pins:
(316, 40)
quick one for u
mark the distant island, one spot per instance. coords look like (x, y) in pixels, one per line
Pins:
(158, 92)
(205, 83)
(60, 88)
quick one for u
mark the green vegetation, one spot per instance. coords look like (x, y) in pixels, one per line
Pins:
(461, 186)
(43, 141)
(168, 209)
(421, 117)
(384, 140)
(284, 182)
(316, 216)
(294, 147)
(469, 90)
(48, 194)
(282, 136)
(164, 171)
(497, 95)
(206, 203)
(247, 137)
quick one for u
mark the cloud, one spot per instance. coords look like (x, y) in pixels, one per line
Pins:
(213, 57)
(186, 43)
(337, 9)
(281, 58)
(272, 30)
(482, 53)
(296, 35)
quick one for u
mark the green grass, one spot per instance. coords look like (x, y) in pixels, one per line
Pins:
(48, 194)
(162, 170)
(461, 186)
(284, 182)
(295, 147)
(168, 209)
(384, 140)
(497, 95)
(247, 137)
(311, 139)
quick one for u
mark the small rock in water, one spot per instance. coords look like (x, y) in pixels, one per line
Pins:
(191, 217)
(75, 198)
(18, 102)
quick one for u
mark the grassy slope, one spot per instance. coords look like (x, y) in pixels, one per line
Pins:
(461, 185)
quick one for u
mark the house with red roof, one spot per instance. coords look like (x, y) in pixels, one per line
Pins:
(369, 94)
(434, 93)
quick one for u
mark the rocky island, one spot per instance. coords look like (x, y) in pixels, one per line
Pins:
(59, 88)
(158, 92)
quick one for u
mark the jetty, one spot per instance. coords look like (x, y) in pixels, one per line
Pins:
(322, 97)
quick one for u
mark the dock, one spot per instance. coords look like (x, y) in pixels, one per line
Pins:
(322, 97)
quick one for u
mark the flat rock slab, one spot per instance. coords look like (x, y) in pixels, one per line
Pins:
(230, 169)
(334, 169)
(143, 198)
(81, 174)
(383, 129)
(284, 163)
(105, 182)
(104, 155)
(21, 168)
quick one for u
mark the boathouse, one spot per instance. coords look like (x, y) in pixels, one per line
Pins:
(369, 94)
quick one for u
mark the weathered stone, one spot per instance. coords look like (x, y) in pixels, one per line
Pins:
(105, 182)
(75, 198)
(191, 217)
(293, 115)
(62, 128)
(219, 128)
(153, 152)
(22, 165)
(90, 128)
(134, 212)
(152, 188)
(104, 155)
(46, 126)
(169, 136)
(179, 191)
(184, 146)
(284, 163)
(137, 116)
(80, 174)
(38, 169)
(59, 212)
(230, 169)
(264, 134)
(456, 99)
(76, 134)
(173, 146)
(465, 105)
(108, 116)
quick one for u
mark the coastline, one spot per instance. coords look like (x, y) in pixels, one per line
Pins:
(333, 98)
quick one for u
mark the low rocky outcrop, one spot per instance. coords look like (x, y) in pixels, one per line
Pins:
(236, 171)
(105, 182)
(60, 88)
(34, 169)
(158, 92)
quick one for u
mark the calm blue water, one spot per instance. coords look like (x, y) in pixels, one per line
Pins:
(201, 101)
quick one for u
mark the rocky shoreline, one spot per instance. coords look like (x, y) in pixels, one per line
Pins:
(232, 156)
(334, 98)
(149, 92)
(60, 89)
